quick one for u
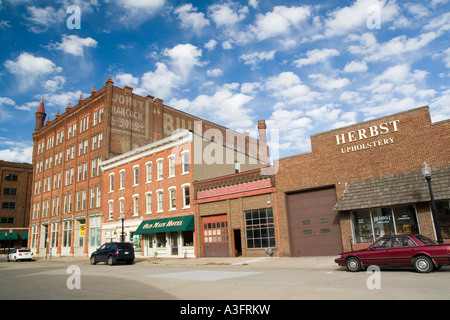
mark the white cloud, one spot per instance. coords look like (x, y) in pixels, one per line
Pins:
(256, 57)
(190, 18)
(28, 68)
(447, 57)
(355, 66)
(329, 83)
(288, 87)
(216, 72)
(227, 14)
(16, 151)
(183, 58)
(126, 79)
(227, 106)
(74, 45)
(315, 56)
(211, 44)
(279, 22)
(57, 82)
(40, 19)
(159, 83)
(344, 20)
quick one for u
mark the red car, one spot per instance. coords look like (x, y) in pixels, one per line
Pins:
(414, 250)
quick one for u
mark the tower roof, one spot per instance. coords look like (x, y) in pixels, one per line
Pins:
(41, 108)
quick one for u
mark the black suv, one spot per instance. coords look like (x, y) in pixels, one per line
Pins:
(113, 252)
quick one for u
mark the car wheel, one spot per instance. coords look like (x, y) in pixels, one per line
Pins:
(7, 259)
(111, 260)
(15, 259)
(353, 264)
(93, 261)
(423, 264)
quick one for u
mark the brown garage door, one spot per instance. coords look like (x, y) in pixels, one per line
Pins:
(314, 228)
(215, 236)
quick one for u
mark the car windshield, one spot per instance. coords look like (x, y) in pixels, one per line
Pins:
(24, 250)
(425, 240)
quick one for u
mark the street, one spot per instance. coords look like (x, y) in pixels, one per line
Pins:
(264, 279)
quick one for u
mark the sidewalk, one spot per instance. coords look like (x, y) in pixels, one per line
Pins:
(325, 262)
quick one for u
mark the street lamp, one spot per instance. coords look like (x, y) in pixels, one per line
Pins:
(9, 241)
(426, 171)
(122, 237)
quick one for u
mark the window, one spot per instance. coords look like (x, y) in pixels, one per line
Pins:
(148, 202)
(370, 224)
(9, 191)
(110, 209)
(92, 197)
(7, 220)
(67, 233)
(135, 205)
(443, 213)
(159, 198)
(186, 196)
(260, 228)
(54, 235)
(149, 171)
(9, 205)
(185, 161)
(136, 175)
(99, 196)
(121, 205)
(121, 179)
(159, 169)
(171, 166)
(111, 182)
(11, 177)
(237, 167)
(94, 231)
(172, 198)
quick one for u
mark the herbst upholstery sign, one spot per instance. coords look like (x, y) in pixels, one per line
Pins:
(184, 223)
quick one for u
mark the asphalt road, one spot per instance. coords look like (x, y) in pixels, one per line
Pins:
(78, 280)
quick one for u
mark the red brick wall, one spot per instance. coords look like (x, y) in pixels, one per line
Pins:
(415, 141)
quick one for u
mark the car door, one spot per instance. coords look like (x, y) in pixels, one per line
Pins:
(378, 253)
(402, 250)
(102, 252)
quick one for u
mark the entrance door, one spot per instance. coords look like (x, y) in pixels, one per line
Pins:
(237, 242)
(314, 228)
(174, 240)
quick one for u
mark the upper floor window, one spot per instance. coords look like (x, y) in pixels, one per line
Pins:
(136, 175)
(171, 166)
(159, 169)
(185, 162)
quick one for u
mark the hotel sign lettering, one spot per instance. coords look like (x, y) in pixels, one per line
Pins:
(358, 138)
(169, 223)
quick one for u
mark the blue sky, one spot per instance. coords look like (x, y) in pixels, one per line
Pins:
(303, 66)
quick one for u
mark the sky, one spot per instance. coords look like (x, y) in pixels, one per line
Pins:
(303, 66)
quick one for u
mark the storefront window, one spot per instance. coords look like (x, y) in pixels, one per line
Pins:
(370, 224)
(405, 219)
(188, 238)
(260, 228)
(383, 224)
(161, 240)
(363, 226)
(443, 213)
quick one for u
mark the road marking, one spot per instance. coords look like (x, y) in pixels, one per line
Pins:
(249, 261)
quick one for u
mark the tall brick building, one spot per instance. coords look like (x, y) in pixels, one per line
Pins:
(364, 181)
(66, 202)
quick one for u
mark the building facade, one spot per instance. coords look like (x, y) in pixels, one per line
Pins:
(67, 192)
(364, 181)
(149, 195)
(15, 195)
(237, 215)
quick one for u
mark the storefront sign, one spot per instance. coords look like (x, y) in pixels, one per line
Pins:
(183, 223)
(169, 223)
(380, 131)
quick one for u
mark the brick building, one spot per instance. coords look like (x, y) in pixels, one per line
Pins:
(149, 193)
(363, 181)
(66, 201)
(15, 194)
(237, 215)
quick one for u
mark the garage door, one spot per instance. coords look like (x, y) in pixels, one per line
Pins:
(314, 228)
(215, 236)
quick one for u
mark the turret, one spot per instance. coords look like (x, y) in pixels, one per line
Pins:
(40, 116)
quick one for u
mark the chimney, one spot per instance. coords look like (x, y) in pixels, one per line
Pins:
(40, 116)
(262, 131)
